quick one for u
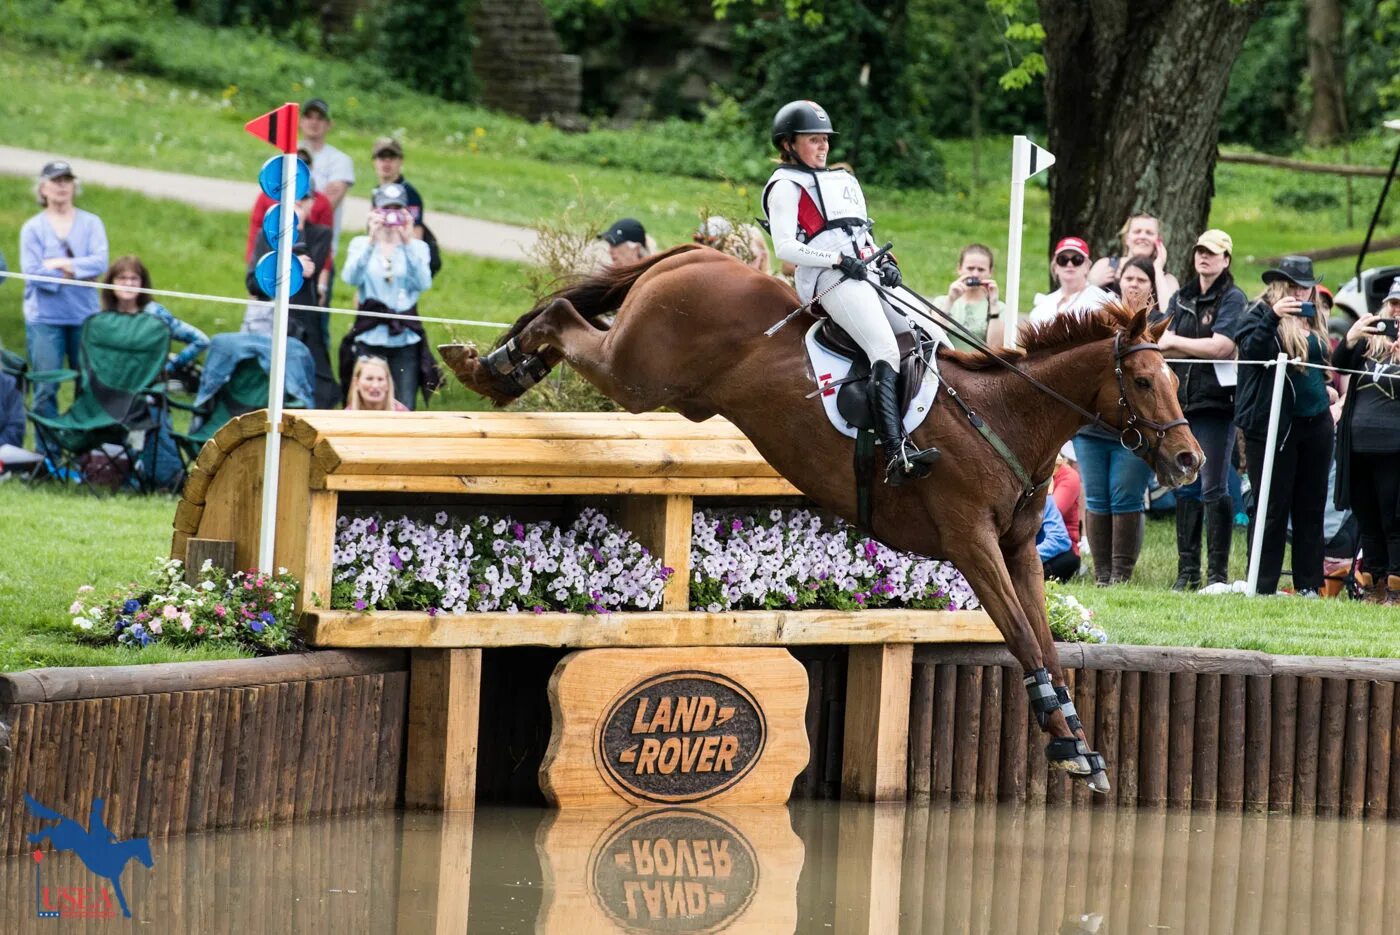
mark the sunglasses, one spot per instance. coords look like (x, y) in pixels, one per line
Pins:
(1069, 259)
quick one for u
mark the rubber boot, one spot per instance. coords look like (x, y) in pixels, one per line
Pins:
(905, 461)
(1188, 544)
(1392, 590)
(1127, 544)
(1370, 592)
(1220, 531)
(1098, 529)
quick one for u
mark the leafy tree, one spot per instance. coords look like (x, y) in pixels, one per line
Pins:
(428, 45)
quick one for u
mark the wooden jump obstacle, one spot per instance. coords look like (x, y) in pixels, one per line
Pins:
(648, 470)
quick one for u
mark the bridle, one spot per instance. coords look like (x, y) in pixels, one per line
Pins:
(1133, 422)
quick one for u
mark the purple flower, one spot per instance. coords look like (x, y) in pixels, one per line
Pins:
(518, 531)
(433, 611)
(395, 560)
(139, 634)
(360, 605)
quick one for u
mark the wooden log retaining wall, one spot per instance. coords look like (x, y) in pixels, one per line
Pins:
(192, 746)
(1212, 730)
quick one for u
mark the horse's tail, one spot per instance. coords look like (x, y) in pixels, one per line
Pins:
(599, 293)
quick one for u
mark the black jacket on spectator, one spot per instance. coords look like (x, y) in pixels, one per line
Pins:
(1195, 315)
(429, 374)
(11, 412)
(310, 328)
(1352, 358)
(1258, 340)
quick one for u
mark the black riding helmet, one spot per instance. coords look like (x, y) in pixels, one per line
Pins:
(800, 117)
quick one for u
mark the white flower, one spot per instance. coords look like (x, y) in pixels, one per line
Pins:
(82, 623)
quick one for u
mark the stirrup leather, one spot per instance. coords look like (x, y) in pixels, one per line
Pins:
(1045, 700)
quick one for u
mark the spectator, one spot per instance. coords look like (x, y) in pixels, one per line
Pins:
(372, 387)
(390, 268)
(321, 212)
(1284, 318)
(1066, 488)
(971, 299)
(62, 241)
(331, 170)
(1205, 317)
(1057, 559)
(312, 328)
(1140, 236)
(388, 168)
(747, 243)
(1138, 288)
(1368, 445)
(129, 271)
(1069, 271)
(12, 418)
(627, 242)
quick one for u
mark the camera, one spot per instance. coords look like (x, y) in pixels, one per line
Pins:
(1389, 327)
(972, 282)
(393, 219)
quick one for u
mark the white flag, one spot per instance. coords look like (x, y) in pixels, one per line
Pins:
(1027, 159)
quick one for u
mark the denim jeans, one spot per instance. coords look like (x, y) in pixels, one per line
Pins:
(1115, 479)
(1215, 433)
(47, 346)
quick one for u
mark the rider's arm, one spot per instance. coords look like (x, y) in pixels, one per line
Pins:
(782, 218)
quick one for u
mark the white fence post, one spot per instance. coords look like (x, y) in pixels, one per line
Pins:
(1261, 496)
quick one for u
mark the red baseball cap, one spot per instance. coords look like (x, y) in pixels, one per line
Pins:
(1073, 244)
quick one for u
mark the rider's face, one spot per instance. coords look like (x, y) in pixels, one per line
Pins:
(811, 149)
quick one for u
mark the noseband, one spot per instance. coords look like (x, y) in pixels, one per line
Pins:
(1133, 423)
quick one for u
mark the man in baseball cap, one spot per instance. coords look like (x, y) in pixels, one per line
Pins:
(58, 169)
(332, 171)
(387, 153)
(627, 241)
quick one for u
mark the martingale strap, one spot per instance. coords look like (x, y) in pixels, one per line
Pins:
(1029, 487)
(1044, 700)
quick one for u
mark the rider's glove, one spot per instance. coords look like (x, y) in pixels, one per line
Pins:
(890, 276)
(852, 267)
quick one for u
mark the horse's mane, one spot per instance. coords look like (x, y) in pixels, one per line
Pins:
(1058, 333)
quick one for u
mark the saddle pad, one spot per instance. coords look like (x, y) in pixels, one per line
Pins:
(828, 368)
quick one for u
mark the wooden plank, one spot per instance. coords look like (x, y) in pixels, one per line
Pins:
(316, 559)
(1155, 714)
(309, 756)
(1378, 748)
(1283, 746)
(188, 516)
(662, 524)
(232, 505)
(1085, 690)
(989, 736)
(1015, 715)
(921, 734)
(391, 733)
(412, 629)
(945, 705)
(1181, 739)
(332, 426)
(196, 485)
(1205, 772)
(444, 694)
(218, 552)
(1354, 749)
(1331, 746)
(183, 762)
(1258, 741)
(1108, 688)
(874, 762)
(1309, 743)
(1129, 737)
(1234, 740)
(967, 728)
(574, 486)
(228, 764)
(1394, 793)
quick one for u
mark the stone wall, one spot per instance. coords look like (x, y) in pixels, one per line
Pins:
(520, 64)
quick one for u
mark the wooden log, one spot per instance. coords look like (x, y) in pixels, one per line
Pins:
(945, 706)
(1181, 739)
(246, 793)
(1108, 688)
(329, 758)
(921, 734)
(217, 552)
(1394, 793)
(874, 762)
(1085, 692)
(574, 485)
(1057, 783)
(23, 729)
(1015, 717)
(292, 722)
(1300, 165)
(228, 765)
(444, 692)
(1234, 741)
(187, 517)
(989, 735)
(966, 730)
(391, 728)
(1309, 741)
(1152, 752)
(1331, 746)
(1037, 768)
(1205, 771)
(131, 745)
(1129, 737)
(196, 485)
(1378, 749)
(310, 754)
(1283, 744)
(343, 774)
(1258, 741)
(833, 739)
(182, 772)
(157, 715)
(204, 781)
(663, 525)
(1354, 751)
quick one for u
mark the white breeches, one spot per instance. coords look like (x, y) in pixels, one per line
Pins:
(856, 307)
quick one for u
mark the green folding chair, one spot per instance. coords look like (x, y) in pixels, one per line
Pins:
(245, 391)
(120, 361)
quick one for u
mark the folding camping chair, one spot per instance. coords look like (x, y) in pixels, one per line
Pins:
(120, 360)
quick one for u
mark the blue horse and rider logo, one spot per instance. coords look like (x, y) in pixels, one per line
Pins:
(96, 846)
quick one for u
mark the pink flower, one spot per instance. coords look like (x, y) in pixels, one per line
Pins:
(219, 610)
(84, 589)
(75, 608)
(186, 621)
(170, 612)
(156, 627)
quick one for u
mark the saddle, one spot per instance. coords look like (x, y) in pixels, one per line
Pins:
(842, 372)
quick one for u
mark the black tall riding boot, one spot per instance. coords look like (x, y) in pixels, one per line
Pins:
(1188, 544)
(905, 461)
(1220, 529)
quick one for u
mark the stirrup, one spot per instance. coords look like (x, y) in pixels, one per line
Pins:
(909, 463)
(1074, 757)
(1044, 700)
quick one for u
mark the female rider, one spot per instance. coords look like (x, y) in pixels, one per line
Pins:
(818, 220)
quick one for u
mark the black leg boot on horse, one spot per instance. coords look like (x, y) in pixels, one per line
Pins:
(905, 462)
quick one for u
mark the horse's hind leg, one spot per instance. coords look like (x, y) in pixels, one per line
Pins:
(1071, 753)
(561, 330)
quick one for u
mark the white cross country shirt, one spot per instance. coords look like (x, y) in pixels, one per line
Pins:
(331, 165)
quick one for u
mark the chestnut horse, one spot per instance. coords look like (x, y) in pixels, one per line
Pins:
(689, 335)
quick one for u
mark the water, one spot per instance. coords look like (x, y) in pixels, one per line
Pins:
(813, 867)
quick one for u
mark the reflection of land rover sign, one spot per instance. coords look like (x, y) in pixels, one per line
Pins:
(681, 737)
(674, 871)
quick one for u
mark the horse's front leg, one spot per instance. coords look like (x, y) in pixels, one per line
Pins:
(1068, 752)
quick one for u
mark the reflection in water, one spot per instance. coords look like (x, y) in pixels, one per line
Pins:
(810, 867)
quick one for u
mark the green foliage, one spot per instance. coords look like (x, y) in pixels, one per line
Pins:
(427, 44)
(1296, 199)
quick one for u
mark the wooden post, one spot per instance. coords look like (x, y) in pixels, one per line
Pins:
(871, 842)
(219, 552)
(435, 873)
(921, 733)
(444, 693)
(662, 525)
(877, 722)
(322, 509)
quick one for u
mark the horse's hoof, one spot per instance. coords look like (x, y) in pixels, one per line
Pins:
(1098, 782)
(466, 365)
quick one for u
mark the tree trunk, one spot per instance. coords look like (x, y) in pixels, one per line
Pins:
(1133, 90)
(1327, 115)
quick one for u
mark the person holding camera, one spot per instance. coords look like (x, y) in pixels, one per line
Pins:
(971, 299)
(1204, 319)
(1284, 318)
(390, 268)
(1368, 445)
(1141, 236)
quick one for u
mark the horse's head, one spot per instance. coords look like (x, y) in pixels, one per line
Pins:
(1138, 399)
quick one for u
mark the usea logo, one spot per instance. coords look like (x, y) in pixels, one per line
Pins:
(674, 870)
(681, 737)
